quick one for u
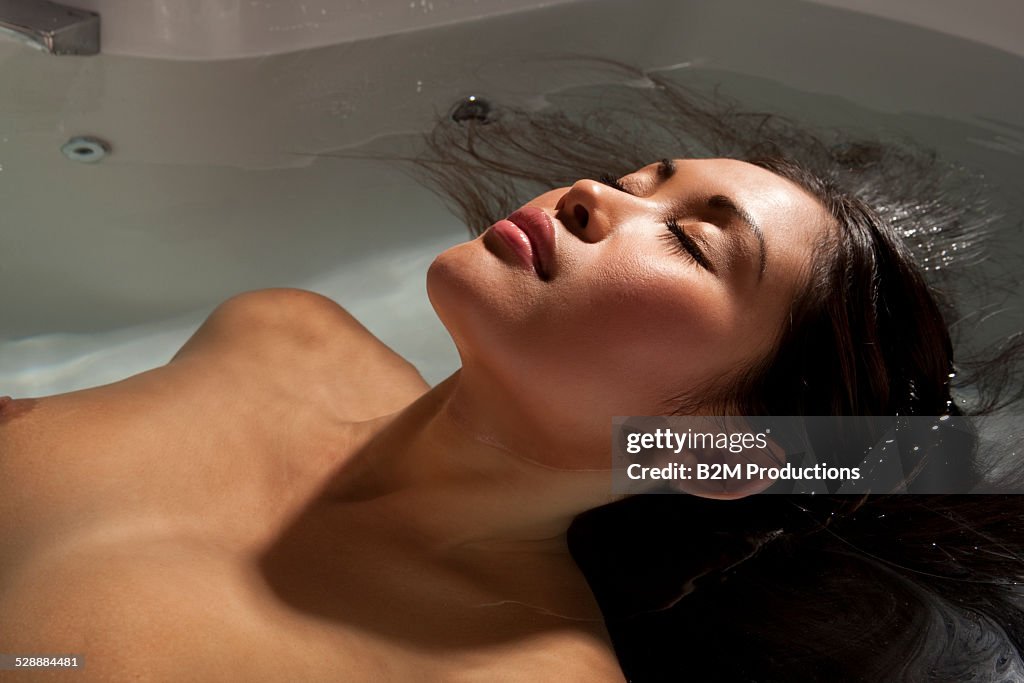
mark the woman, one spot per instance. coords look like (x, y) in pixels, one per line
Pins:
(287, 499)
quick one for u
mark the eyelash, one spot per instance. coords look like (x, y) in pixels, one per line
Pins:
(678, 240)
(682, 243)
(612, 182)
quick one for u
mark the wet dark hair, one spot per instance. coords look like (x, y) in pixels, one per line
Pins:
(844, 349)
(780, 588)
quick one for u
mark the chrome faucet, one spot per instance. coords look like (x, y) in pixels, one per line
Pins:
(57, 29)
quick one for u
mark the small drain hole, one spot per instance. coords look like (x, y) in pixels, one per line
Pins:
(473, 108)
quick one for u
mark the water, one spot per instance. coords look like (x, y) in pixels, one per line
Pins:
(216, 186)
(392, 281)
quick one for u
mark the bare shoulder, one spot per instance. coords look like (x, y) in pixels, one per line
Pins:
(299, 315)
(272, 379)
(275, 345)
(312, 343)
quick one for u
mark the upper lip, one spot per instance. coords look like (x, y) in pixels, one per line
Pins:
(540, 230)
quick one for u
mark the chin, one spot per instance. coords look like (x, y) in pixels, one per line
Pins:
(457, 289)
(450, 278)
(482, 301)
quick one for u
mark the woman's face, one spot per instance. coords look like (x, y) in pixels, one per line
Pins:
(680, 277)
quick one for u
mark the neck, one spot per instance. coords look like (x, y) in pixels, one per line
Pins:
(457, 475)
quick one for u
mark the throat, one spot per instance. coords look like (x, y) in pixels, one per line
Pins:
(362, 566)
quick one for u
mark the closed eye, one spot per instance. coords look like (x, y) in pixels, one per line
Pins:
(677, 237)
(681, 241)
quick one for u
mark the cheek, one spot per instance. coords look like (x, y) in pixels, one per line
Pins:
(661, 327)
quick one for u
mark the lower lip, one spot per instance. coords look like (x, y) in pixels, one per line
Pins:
(517, 241)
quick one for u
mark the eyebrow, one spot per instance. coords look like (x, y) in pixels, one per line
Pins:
(720, 201)
(667, 168)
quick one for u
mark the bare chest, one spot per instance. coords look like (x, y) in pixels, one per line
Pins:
(166, 453)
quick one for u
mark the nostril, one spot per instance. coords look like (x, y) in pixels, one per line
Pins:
(581, 215)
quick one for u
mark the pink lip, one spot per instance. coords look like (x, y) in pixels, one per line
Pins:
(516, 240)
(540, 231)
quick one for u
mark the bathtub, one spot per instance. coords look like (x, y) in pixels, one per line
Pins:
(221, 123)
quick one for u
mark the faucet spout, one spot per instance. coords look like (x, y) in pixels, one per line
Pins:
(57, 29)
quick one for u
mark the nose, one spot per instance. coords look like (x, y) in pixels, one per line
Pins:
(590, 209)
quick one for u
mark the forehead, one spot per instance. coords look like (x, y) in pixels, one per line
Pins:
(760, 188)
(786, 211)
(788, 219)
